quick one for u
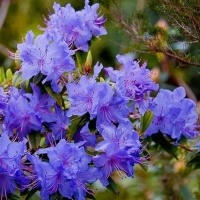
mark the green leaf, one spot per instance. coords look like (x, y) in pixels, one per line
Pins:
(77, 122)
(90, 196)
(80, 59)
(195, 159)
(144, 167)
(31, 193)
(14, 197)
(112, 186)
(102, 80)
(88, 63)
(37, 78)
(197, 166)
(169, 148)
(2, 75)
(9, 75)
(146, 121)
(42, 142)
(34, 140)
(56, 96)
(17, 79)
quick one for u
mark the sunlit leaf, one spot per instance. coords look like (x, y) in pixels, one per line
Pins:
(146, 121)
(9, 75)
(80, 60)
(17, 79)
(2, 75)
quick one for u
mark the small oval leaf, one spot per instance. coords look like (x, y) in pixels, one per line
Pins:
(146, 120)
(9, 75)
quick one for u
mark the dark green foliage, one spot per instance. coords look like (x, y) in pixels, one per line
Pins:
(112, 186)
(159, 139)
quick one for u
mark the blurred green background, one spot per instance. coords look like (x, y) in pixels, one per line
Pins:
(166, 178)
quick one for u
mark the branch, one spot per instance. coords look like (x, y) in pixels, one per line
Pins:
(3, 50)
(3, 11)
(182, 146)
(181, 59)
(177, 79)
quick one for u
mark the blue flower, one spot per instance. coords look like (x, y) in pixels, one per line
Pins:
(59, 125)
(113, 159)
(132, 81)
(42, 104)
(119, 149)
(20, 116)
(34, 55)
(84, 97)
(46, 56)
(84, 135)
(174, 114)
(11, 174)
(3, 100)
(92, 21)
(76, 27)
(67, 171)
(111, 108)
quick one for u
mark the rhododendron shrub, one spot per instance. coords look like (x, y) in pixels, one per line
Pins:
(63, 126)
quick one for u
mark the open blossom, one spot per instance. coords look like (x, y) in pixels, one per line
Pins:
(111, 108)
(11, 174)
(84, 97)
(67, 170)
(84, 134)
(120, 150)
(76, 27)
(3, 100)
(46, 56)
(20, 116)
(132, 81)
(59, 125)
(92, 21)
(174, 114)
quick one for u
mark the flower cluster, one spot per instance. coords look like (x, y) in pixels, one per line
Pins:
(11, 168)
(24, 113)
(174, 114)
(120, 150)
(84, 122)
(46, 55)
(67, 170)
(76, 27)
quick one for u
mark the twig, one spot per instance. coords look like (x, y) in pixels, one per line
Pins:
(3, 11)
(181, 59)
(3, 50)
(178, 80)
(182, 146)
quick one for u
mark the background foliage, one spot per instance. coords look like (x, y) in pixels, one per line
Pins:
(167, 35)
